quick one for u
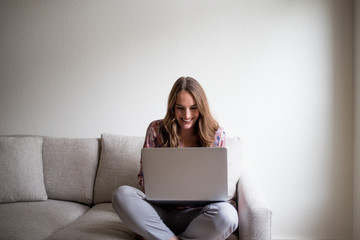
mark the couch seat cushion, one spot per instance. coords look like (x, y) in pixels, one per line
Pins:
(37, 220)
(100, 222)
(21, 169)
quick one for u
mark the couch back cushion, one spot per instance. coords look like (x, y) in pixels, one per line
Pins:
(234, 147)
(119, 165)
(21, 169)
(70, 166)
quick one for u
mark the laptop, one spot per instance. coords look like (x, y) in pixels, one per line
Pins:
(185, 176)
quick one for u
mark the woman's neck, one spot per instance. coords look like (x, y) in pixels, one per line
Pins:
(188, 138)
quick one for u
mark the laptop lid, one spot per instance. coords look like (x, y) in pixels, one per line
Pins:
(187, 176)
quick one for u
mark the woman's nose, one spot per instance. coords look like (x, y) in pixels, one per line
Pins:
(187, 113)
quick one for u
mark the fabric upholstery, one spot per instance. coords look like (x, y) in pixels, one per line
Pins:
(119, 165)
(70, 168)
(234, 152)
(254, 213)
(21, 169)
(101, 222)
(233, 236)
(37, 220)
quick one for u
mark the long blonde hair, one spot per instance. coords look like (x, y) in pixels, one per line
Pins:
(205, 127)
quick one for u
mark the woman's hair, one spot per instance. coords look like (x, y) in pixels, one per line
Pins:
(205, 126)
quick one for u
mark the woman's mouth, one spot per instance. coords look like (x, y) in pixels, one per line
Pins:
(187, 120)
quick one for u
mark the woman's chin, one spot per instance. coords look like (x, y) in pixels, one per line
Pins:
(187, 126)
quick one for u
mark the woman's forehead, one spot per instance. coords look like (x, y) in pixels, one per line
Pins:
(185, 97)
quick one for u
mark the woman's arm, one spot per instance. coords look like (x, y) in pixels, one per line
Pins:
(152, 138)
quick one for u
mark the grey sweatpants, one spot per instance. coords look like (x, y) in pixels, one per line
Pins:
(215, 221)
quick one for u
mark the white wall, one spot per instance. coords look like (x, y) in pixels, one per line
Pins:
(277, 73)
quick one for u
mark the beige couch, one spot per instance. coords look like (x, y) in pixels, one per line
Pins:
(60, 188)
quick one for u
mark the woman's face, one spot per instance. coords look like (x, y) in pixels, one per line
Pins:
(186, 110)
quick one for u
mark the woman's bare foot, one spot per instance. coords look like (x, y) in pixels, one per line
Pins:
(174, 238)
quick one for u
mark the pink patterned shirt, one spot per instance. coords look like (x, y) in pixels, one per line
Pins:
(154, 138)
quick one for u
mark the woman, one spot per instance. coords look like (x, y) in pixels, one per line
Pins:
(188, 123)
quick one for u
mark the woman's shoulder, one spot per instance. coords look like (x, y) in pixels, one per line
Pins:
(153, 136)
(155, 125)
(220, 131)
(220, 137)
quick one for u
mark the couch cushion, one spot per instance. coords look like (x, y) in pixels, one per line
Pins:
(37, 220)
(100, 222)
(120, 162)
(21, 169)
(119, 165)
(234, 149)
(70, 168)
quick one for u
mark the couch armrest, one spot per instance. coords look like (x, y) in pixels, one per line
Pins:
(254, 213)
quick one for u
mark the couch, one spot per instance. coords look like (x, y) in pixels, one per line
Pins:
(61, 188)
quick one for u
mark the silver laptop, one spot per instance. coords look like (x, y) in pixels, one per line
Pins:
(185, 176)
